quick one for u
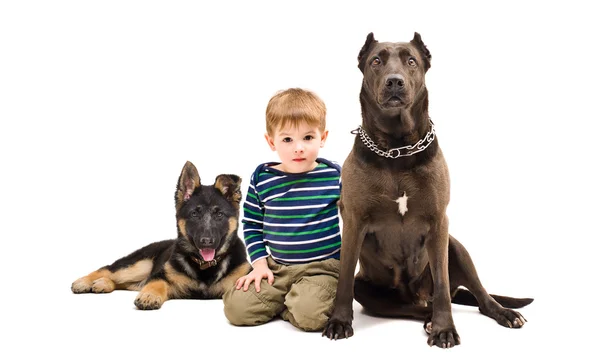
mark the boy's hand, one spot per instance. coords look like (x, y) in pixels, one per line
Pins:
(261, 271)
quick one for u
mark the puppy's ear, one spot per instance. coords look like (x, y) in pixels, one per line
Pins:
(418, 43)
(189, 181)
(229, 186)
(364, 51)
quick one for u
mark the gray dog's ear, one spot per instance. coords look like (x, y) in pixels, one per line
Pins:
(365, 50)
(418, 43)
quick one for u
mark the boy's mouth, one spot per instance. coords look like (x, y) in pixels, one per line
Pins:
(298, 160)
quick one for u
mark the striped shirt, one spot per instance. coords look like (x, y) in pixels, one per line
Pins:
(293, 217)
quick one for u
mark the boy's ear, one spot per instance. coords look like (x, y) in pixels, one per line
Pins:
(324, 137)
(270, 141)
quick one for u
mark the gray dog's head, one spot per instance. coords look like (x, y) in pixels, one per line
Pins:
(394, 72)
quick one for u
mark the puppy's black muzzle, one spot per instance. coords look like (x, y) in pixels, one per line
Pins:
(206, 242)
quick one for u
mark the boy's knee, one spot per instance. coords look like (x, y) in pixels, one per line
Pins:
(309, 303)
(245, 308)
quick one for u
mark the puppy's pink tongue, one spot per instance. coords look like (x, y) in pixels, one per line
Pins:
(207, 254)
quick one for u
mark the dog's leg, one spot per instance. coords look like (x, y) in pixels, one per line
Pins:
(153, 295)
(128, 272)
(107, 279)
(463, 272)
(340, 322)
(164, 284)
(96, 282)
(443, 333)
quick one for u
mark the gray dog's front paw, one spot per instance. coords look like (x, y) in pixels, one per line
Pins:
(444, 338)
(338, 328)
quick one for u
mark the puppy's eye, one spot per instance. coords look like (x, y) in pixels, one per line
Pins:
(219, 214)
(412, 62)
(194, 214)
(376, 61)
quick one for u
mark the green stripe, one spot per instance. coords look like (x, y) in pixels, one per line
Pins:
(301, 233)
(293, 215)
(266, 173)
(247, 210)
(252, 195)
(290, 216)
(252, 236)
(306, 198)
(258, 250)
(306, 250)
(297, 181)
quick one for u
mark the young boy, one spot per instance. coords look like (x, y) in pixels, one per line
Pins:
(291, 224)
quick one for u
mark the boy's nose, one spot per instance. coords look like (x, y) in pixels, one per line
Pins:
(299, 148)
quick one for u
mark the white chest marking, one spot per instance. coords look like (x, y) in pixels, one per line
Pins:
(402, 203)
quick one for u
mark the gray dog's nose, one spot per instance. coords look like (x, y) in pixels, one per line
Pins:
(394, 81)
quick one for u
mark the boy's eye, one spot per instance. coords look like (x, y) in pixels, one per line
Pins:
(309, 137)
(287, 140)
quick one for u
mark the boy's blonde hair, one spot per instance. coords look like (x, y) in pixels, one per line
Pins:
(294, 106)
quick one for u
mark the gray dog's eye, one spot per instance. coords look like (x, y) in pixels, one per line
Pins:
(376, 61)
(412, 62)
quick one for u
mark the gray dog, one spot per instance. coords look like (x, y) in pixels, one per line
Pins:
(393, 206)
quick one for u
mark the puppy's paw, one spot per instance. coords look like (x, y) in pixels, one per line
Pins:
(81, 286)
(444, 338)
(148, 301)
(102, 286)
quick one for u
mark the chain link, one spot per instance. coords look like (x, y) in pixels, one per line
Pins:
(397, 152)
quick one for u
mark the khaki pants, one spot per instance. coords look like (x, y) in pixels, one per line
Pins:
(302, 294)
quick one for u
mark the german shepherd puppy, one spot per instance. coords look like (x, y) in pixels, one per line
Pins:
(202, 263)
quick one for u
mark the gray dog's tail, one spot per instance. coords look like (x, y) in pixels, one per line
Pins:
(465, 297)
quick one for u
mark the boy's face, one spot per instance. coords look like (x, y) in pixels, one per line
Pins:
(297, 147)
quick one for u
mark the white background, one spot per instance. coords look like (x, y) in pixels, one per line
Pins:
(102, 103)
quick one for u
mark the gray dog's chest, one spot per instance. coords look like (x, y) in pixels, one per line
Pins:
(397, 210)
(400, 198)
(396, 213)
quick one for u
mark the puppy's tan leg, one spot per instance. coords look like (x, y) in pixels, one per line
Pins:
(152, 295)
(95, 282)
(105, 281)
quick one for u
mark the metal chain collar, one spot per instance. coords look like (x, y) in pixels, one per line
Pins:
(397, 152)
